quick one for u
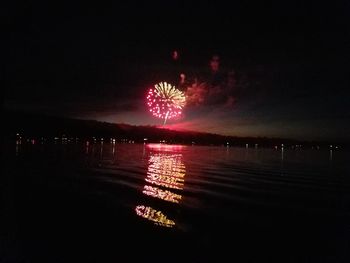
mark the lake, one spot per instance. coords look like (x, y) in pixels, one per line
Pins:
(110, 202)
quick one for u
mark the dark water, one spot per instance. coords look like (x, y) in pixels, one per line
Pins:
(151, 203)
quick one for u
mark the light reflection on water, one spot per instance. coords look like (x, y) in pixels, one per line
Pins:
(165, 170)
(153, 215)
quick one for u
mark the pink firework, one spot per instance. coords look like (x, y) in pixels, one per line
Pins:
(165, 101)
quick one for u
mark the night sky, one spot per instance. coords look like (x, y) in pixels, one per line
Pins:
(282, 69)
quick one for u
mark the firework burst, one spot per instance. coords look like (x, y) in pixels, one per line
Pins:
(165, 101)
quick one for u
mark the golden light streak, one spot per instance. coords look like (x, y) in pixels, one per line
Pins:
(151, 214)
(161, 194)
(166, 170)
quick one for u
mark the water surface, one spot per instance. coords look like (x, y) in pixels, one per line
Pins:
(106, 202)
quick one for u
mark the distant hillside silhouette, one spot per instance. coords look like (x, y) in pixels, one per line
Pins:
(31, 125)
